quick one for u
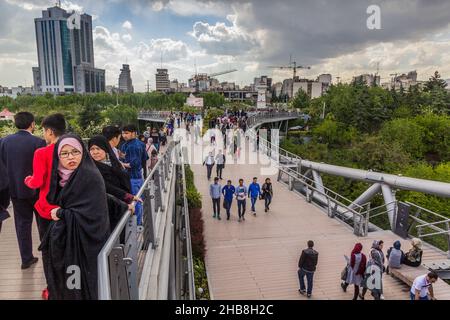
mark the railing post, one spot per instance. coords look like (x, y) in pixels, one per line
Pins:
(149, 233)
(131, 250)
(447, 224)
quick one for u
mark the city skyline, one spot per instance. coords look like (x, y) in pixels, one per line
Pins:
(212, 36)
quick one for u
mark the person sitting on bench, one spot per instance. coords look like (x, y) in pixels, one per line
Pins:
(413, 257)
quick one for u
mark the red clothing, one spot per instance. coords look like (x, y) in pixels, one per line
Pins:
(42, 168)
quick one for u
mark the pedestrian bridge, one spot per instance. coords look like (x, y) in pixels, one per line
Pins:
(254, 259)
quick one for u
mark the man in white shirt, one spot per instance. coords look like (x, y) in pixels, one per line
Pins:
(422, 286)
(220, 161)
(209, 162)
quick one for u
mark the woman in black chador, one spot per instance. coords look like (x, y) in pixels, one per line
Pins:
(80, 225)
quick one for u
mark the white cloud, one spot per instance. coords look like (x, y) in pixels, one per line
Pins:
(127, 25)
(70, 6)
(223, 39)
(192, 7)
(127, 37)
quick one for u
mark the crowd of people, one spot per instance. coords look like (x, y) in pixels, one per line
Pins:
(77, 190)
(367, 272)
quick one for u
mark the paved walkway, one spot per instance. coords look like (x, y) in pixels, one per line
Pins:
(257, 258)
(14, 282)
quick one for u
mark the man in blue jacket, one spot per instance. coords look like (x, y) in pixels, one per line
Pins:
(254, 191)
(228, 192)
(135, 156)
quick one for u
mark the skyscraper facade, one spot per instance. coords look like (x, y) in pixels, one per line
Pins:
(66, 53)
(162, 80)
(125, 82)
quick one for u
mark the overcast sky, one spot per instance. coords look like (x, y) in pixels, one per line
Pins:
(331, 36)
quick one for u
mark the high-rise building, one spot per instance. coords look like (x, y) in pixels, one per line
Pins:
(162, 80)
(36, 79)
(125, 82)
(66, 53)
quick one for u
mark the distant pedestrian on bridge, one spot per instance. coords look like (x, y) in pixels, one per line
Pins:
(220, 164)
(209, 162)
(228, 192)
(215, 191)
(16, 153)
(267, 194)
(307, 265)
(241, 197)
(254, 191)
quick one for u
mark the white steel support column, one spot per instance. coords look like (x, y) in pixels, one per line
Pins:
(389, 200)
(366, 195)
(318, 181)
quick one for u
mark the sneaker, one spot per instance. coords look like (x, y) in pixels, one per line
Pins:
(243, 218)
(239, 220)
(219, 218)
(228, 218)
(214, 216)
(265, 210)
(254, 213)
(344, 287)
(301, 291)
(382, 297)
(309, 295)
(45, 294)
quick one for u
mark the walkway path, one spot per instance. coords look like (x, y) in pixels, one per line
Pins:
(14, 282)
(257, 258)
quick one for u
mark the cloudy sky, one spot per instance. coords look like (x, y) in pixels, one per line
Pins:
(331, 36)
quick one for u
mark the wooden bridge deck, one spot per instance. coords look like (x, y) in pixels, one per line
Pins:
(14, 282)
(257, 258)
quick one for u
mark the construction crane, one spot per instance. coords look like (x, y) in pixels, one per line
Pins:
(212, 75)
(292, 65)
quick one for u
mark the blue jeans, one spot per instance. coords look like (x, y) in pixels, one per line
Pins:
(253, 201)
(228, 206)
(309, 278)
(241, 205)
(413, 297)
(136, 184)
(267, 200)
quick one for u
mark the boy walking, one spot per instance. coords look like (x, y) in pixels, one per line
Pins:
(241, 197)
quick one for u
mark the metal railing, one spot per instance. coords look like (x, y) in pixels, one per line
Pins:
(160, 116)
(134, 261)
(336, 205)
(347, 210)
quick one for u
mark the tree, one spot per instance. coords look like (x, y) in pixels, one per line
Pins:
(89, 115)
(213, 100)
(301, 100)
(435, 81)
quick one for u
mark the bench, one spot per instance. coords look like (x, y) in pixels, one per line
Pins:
(407, 275)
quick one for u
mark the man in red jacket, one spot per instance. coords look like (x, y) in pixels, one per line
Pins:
(53, 126)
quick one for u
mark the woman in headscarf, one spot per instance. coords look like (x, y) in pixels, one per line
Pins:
(355, 270)
(80, 225)
(374, 272)
(413, 257)
(116, 179)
